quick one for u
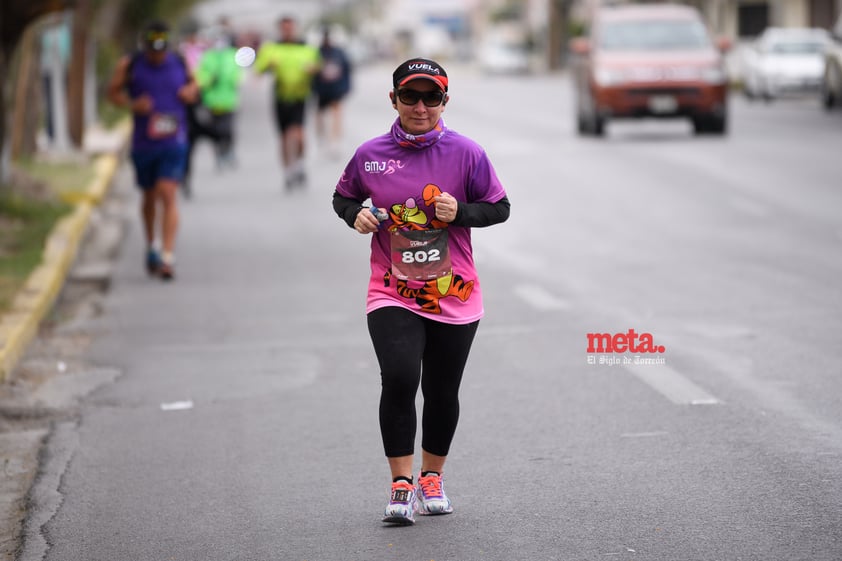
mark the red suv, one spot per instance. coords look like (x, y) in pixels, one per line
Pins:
(649, 60)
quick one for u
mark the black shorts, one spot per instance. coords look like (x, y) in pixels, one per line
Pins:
(328, 99)
(289, 113)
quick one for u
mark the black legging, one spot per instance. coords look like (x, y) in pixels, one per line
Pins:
(405, 343)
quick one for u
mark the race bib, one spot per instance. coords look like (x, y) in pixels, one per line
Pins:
(331, 71)
(420, 254)
(162, 125)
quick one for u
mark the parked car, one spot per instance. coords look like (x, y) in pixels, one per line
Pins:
(784, 61)
(501, 57)
(649, 60)
(831, 87)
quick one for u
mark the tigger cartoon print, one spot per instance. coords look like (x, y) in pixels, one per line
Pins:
(408, 215)
(420, 255)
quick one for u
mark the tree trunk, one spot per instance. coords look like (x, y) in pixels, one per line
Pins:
(29, 97)
(4, 152)
(559, 33)
(15, 17)
(77, 72)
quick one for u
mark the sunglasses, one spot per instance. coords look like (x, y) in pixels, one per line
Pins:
(153, 36)
(432, 98)
(156, 40)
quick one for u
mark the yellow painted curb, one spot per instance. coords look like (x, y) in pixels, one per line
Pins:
(104, 168)
(19, 325)
(36, 298)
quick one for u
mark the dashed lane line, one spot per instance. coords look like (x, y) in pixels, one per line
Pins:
(671, 384)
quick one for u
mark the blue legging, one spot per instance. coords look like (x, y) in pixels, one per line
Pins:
(410, 350)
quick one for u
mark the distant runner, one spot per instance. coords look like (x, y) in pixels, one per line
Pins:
(157, 86)
(293, 63)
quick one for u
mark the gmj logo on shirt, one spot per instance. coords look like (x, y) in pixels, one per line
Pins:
(385, 168)
(375, 167)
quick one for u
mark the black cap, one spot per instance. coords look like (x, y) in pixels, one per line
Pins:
(416, 68)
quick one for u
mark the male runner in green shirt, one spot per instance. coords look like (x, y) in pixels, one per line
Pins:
(293, 64)
(219, 78)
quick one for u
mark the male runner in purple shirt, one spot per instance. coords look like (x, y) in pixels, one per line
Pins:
(156, 85)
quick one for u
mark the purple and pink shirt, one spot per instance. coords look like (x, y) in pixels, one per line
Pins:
(418, 262)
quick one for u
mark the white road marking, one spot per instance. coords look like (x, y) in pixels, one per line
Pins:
(671, 384)
(539, 298)
(177, 405)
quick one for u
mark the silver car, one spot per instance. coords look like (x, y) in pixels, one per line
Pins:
(784, 61)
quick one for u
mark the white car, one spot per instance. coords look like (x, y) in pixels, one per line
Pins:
(785, 60)
(501, 57)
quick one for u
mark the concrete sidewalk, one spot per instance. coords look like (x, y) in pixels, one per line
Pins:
(20, 323)
(31, 402)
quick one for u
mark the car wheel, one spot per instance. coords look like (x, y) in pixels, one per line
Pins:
(581, 124)
(598, 125)
(827, 98)
(710, 124)
(719, 124)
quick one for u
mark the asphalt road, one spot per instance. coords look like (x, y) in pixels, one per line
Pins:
(241, 423)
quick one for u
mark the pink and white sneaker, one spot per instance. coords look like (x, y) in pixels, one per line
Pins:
(431, 497)
(402, 504)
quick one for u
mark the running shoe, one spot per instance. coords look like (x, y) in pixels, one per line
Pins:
(431, 497)
(166, 271)
(153, 262)
(401, 507)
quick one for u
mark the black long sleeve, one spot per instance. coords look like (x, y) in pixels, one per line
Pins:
(468, 215)
(478, 215)
(346, 208)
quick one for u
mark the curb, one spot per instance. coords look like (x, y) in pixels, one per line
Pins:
(19, 325)
(104, 168)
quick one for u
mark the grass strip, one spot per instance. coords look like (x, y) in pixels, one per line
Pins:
(25, 225)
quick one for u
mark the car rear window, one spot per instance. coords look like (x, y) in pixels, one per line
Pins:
(654, 35)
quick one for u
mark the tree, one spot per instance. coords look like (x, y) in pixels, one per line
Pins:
(559, 32)
(80, 40)
(122, 18)
(15, 17)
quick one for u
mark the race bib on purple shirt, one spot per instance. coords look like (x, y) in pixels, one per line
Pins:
(162, 125)
(421, 255)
